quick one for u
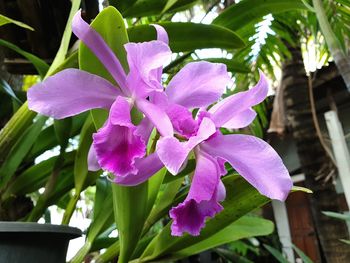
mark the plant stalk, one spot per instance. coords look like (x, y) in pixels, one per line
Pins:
(340, 58)
(71, 207)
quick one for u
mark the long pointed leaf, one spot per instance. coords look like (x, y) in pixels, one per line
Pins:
(248, 11)
(155, 7)
(62, 51)
(6, 20)
(7, 88)
(189, 36)
(241, 198)
(19, 150)
(245, 227)
(40, 65)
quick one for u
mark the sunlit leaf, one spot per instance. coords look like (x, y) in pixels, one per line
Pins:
(6, 20)
(247, 11)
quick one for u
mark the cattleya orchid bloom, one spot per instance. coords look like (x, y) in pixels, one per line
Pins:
(119, 146)
(251, 157)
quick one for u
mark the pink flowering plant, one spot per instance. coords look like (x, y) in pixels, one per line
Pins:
(145, 134)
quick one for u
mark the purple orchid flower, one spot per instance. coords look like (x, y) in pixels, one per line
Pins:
(253, 158)
(119, 146)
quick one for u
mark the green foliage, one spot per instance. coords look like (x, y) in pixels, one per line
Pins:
(276, 253)
(236, 204)
(301, 254)
(151, 7)
(9, 91)
(20, 150)
(248, 11)
(103, 217)
(110, 25)
(337, 215)
(345, 217)
(246, 226)
(189, 36)
(63, 49)
(4, 20)
(40, 65)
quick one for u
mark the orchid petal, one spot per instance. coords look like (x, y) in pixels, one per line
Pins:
(174, 153)
(98, 46)
(144, 129)
(157, 116)
(255, 160)
(162, 35)
(144, 60)
(241, 120)
(71, 92)
(146, 167)
(116, 144)
(182, 120)
(239, 103)
(202, 199)
(198, 84)
(221, 192)
(92, 160)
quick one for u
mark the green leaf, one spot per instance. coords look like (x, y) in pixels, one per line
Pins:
(81, 165)
(62, 51)
(47, 139)
(103, 217)
(346, 241)
(122, 5)
(20, 149)
(154, 184)
(301, 189)
(248, 11)
(232, 65)
(130, 209)
(168, 5)
(63, 131)
(81, 173)
(191, 165)
(231, 256)
(189, 36)
(8, 90)
(241, 198)
(155, 7)
(70, 62)
(6, 20)
(308, 6)
(40, 65)
(246, 226)
(110, 25)
(35, 176)
(340, 216)
(276, 253)
(302, 255)
(163, 203)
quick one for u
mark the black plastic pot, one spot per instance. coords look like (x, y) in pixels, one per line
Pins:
(35, 243)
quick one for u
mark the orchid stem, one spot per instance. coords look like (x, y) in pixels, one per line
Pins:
(71, 207)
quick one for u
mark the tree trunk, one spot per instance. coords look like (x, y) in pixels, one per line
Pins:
(314, 161)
